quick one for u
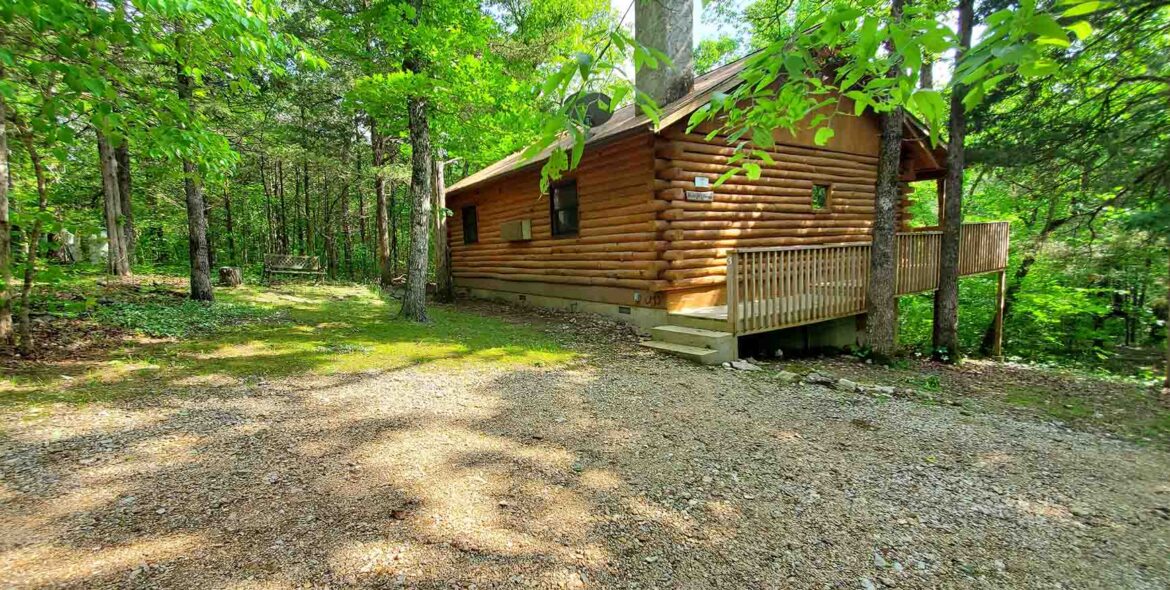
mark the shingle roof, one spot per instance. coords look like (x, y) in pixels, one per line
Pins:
(627, 119)
(624, 120)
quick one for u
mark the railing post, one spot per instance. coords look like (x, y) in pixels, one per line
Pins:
(733, 292)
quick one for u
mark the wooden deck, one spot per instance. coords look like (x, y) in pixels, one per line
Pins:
(777, 288)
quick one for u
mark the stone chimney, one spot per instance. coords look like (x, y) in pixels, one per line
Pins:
(666, 25)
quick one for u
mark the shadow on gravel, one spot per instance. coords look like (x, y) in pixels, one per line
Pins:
(625, 469)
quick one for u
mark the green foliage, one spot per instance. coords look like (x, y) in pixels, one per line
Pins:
(182, 319)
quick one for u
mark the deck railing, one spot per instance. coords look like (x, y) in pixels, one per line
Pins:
(775, 288)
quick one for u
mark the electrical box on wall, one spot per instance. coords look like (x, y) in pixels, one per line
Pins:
(517, 230)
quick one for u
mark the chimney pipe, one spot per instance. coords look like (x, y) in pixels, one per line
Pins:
(666, 25)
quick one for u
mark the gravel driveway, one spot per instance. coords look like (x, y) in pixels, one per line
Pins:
(621, 470)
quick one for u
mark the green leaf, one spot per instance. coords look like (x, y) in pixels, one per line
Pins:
(930, 103)
(1082, 29)
(1086, 8)
(823, 135)
(753, 170)
(762, 137)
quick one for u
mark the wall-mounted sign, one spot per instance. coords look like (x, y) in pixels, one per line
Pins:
(701, 182)
(701, 196)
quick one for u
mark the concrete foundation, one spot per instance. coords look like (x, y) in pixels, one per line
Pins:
(642, 317)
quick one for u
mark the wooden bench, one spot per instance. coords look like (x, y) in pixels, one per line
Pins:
(292, 265)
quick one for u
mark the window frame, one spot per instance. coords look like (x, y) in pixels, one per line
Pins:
(474, 223)
(554, 227)
(828, 207)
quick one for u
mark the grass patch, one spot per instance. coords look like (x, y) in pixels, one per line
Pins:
(324, 329)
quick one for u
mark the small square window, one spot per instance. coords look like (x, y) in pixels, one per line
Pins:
(563, 209)
(470, 225)
(820, 196)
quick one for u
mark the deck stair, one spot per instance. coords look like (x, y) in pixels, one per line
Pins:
(708, 347)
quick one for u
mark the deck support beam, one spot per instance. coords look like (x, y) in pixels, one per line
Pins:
(1000, 292)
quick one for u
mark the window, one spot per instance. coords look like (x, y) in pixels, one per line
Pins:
(470, 225)
(820, 197)
(563, 205)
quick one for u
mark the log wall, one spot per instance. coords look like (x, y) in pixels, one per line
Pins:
(772, 211)
(640, 234)
(620, 239)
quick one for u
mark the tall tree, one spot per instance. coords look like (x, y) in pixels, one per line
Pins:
(945, 338)
(118, 260)
(129, 235)
(414, 297)
(199, 259)
(444, 283)
(881, 325)
(6, 335)
(382, 205)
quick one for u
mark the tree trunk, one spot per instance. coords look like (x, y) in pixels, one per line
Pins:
(118, 262)
(227, 211)
(364, 235)
(385, 268)
(270, 233)
(129, 236)
(6, 335)
(444, 283)
(230, 276)
(25, 345)
(1166, 382)
(309, 249)
(945, 337)
(284, 245)
(881, 299)
(346, 246)
(414, 299)
(196, 220)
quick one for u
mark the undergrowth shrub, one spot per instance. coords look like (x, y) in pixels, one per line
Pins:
(180, 319)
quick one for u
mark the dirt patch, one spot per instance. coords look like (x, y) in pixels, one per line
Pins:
(617, 469)
(1106, 405)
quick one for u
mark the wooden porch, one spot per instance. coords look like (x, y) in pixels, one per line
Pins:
(776, 288)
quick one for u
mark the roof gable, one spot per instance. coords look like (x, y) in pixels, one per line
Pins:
(627, 121)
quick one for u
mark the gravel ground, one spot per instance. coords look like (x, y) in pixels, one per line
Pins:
(623, 469)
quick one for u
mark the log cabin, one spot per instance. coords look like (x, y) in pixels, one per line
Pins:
(640, 232)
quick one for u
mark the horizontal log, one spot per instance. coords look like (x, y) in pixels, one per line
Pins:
(694, 273)
(697, 282)
(607, 230)
(559, 246)
(676, 235)
(676, 214)
(676, 173)
(543, 263)
(570, 272)
(776, 224)
(643, 284)
(680, 156)
(719, 145)
(651, 205)
(474, 257)
(766, 171)
(755, 195)
(686, 251)
(764, 207)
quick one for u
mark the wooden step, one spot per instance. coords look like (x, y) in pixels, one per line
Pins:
(706, 356)
(690, 336)
(695, 321)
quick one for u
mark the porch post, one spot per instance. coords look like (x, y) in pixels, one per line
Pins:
(1001, 288)
(732, 295)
